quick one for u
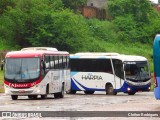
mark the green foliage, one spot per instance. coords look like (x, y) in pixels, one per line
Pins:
(133, 18)
(43, 23)
(62, 29)
(139, 9)
(74, 4)
(6, 4)
(102, 30)
(127, 28)
(1, 82)
(1, 77)
(53, 23)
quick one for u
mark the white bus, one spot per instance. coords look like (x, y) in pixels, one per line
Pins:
(110, 72)
(37, 71)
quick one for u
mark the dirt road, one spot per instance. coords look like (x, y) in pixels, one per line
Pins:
(123, 104)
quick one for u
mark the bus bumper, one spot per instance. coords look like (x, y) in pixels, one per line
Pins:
(23, 92)
(126, 88)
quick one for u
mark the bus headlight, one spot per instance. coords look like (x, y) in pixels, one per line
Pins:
(38, 91)
(6, 91)
(149, 88)
(128, 89)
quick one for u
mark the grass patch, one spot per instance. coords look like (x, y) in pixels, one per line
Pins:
(2, 89)
(1, 81)
(1, 77)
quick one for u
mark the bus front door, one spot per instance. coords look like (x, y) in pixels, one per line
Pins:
(118, 73)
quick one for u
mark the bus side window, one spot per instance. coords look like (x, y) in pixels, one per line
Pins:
(60, 62)
(56, 62)
(58, 66)
(68, 62)
(47, 62)
(63, 62)
(52, 62)
(108, 67)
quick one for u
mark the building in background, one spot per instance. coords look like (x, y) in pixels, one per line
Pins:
(94, 9)
(101, 4)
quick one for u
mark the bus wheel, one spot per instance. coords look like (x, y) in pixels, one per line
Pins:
(73, 92)
(110, 90)
(115, 93)
(43, 96)
(34, 96)
(131, 93)
(30, 96)
(89, 92)
(61, 94)
(14, 97)
(56, 95)
(47, 92)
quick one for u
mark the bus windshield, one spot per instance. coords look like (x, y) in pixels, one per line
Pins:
(137, 71)
(22, 69)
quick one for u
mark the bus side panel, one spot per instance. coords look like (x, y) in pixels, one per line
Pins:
(91, 81)
(67, 80)
(54, 81)
(118, 82)
(157, 89)
(156, 58)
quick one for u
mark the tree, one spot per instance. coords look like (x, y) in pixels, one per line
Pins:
(74, 4)
(141, 10)
(43, 23)
(61, 29)
(6, 4)
(131, 18)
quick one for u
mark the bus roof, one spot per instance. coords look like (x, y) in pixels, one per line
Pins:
(39, 48)
(107, 56)
(33, 53)
(130, 58)
(97, 54)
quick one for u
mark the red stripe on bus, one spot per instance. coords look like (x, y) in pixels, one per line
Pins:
(22, 85)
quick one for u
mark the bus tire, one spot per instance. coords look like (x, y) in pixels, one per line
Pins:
(14, 97)
(47, 92)
(56, 95)
(44, 96)
(110, 90)
(89, 92)
(34, 97)
(61, 94)
(30, 96)
(73, 92)
(68, 92)
(115, 93)
(131, 93)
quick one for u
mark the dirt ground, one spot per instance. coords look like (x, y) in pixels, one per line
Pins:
(98, 102)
